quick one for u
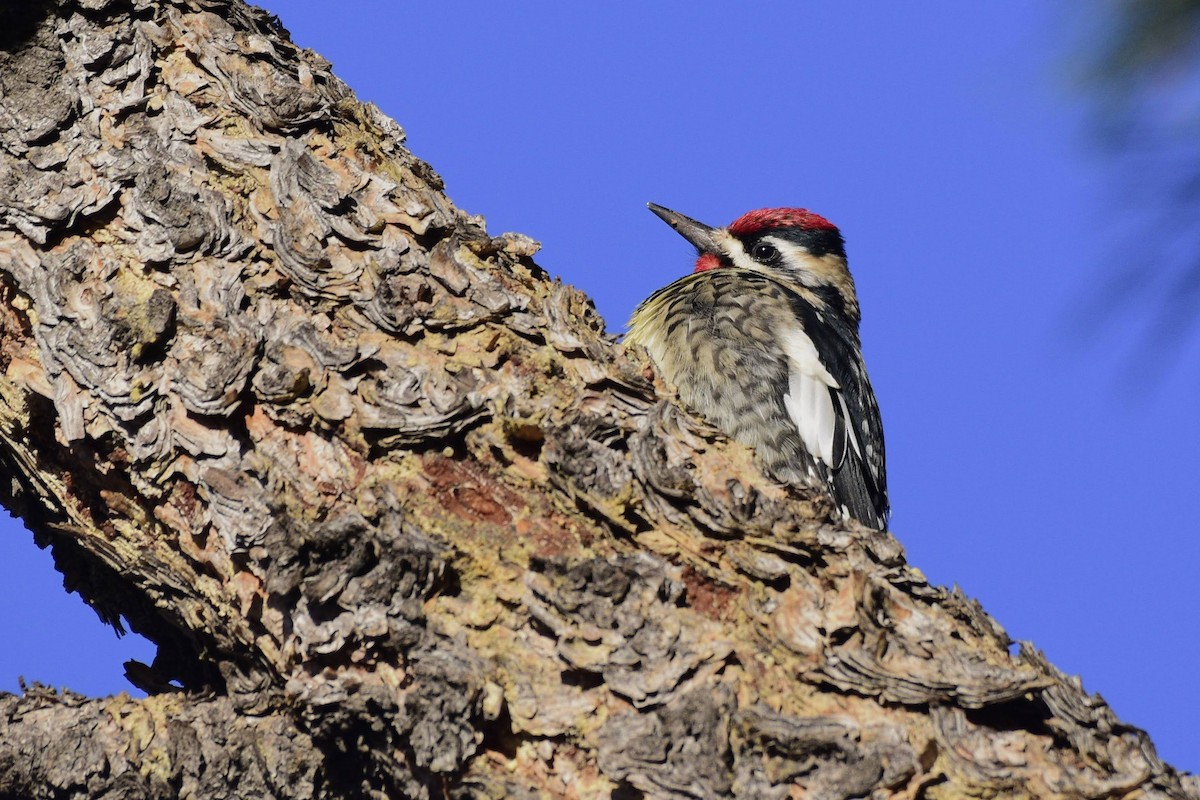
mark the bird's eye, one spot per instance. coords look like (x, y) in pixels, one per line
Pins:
(764, 253)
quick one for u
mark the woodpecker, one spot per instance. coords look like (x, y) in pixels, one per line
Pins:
(762, 340)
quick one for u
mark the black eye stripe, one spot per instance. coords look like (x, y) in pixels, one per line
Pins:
(817, 242)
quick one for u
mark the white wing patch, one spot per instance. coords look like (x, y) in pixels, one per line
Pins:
(850, 433)
(808, 401)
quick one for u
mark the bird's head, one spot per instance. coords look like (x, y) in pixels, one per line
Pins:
(790, 245)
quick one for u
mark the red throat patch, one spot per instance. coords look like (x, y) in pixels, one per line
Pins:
(766, 218)
(707, 261)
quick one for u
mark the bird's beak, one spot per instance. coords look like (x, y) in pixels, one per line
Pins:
(697, 233)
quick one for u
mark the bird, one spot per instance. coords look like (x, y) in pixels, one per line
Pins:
(762, 339)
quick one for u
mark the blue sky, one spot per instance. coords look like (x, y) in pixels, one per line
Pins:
(1027, 462)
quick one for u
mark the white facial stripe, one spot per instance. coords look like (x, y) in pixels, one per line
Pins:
(808, 401)
(797, 257)
(734, 249)
(798, 263)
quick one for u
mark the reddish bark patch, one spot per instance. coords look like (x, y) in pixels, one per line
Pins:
(14, 325)
(466, 490)
(550, 536)
(183, 497)
(713, 600)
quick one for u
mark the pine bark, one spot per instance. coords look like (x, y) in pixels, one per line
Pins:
(402, 519)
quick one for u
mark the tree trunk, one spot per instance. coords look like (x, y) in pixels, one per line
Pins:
(401, 518)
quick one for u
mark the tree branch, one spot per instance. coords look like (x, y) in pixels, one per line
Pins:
(400, 516)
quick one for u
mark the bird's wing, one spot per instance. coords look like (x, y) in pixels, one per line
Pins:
(812, 399)
(830, 401)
